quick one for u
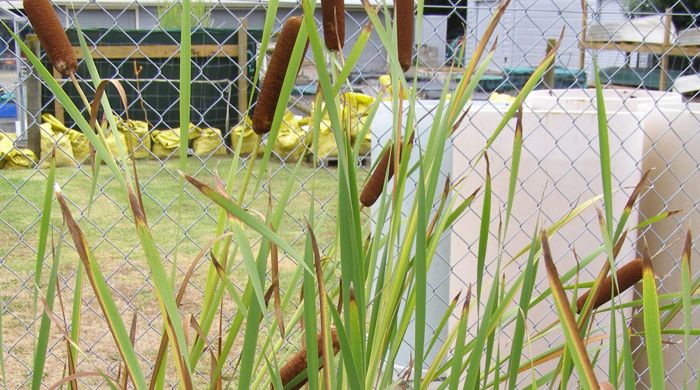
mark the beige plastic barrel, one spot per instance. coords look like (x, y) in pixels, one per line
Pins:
(672, 151)
(559, 170)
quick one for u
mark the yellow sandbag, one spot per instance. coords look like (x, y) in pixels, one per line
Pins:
(59, 142)
(6, 146)
(359, 103)
(194, 133)
(327, 146)
(326, 141)
(80, 144)
(385, 82)
(357, 126)
(304, 121)
(496, 97)
(354, 126)
(112, 143)
(20, 159)
(13, 158)
(165, 142)
(56, 125)
(138, 140)
(355, 107)
(366, 145)
(250, 139)
(209, 142)
(290, 144)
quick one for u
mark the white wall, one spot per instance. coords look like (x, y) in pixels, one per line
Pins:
(527, 24)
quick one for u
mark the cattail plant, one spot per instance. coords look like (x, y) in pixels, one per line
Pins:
(627, 276)
(375, 183)
(272, 85)
(404, 32)
(297, 363)
(333, 24)
(51, 35)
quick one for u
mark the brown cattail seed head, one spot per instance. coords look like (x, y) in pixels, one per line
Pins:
(333, 23)
(297, 363)
(404, 32)
(375, 183)
(51, 35)
(274, 77)
(627, 276)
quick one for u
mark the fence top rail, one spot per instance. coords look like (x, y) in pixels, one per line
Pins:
(157, 51)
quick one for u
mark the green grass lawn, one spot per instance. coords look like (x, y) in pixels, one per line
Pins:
(111, 234)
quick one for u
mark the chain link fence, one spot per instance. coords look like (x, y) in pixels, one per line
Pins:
(641, 49)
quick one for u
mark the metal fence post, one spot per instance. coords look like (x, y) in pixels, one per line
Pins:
(33, 88)
(243, 62)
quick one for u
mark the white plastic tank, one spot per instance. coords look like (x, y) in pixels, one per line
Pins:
(672, 152)
(559, 169)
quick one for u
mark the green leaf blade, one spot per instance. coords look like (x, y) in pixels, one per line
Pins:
(652, 327)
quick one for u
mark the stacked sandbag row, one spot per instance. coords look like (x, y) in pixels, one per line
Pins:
(295, 137)
(163, 144)
(69, 147)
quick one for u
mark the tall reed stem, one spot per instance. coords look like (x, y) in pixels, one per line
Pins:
(78, 88)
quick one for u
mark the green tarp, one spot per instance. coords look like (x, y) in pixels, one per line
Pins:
(636, 77)
(564, 78)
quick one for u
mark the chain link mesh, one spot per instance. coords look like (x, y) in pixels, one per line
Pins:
(558, 151)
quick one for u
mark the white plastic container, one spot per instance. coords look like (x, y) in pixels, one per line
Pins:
(559, 169)
(672, 151)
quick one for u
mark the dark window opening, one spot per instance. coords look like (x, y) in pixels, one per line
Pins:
(454, 10)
